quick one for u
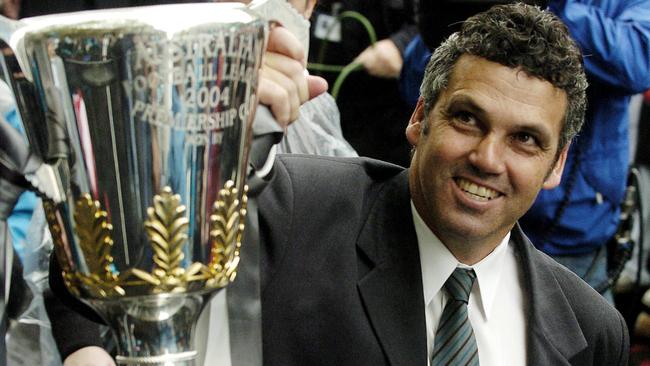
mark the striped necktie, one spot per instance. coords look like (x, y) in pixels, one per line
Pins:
(455, 343)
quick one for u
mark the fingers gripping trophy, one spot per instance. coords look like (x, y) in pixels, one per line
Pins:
(142, 117)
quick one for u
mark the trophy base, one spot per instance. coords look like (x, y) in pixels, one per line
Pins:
(176, 359)
(155, 330)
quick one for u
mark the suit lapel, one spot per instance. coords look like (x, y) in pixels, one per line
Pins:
(391, 290)
(554, 335)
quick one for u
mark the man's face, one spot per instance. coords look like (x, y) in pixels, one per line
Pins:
(491, 146)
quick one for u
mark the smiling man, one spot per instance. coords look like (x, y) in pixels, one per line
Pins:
(370, 264)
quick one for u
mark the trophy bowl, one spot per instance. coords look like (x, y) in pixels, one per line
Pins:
(144, 116)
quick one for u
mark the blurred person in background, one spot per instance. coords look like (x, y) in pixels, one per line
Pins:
(436, 20)
(368, 99)
(575, 222)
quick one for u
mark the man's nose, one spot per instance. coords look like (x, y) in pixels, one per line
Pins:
(488, 155)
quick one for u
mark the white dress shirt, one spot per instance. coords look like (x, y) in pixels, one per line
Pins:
(496, 305)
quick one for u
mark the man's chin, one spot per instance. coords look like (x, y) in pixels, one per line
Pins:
(470, 230)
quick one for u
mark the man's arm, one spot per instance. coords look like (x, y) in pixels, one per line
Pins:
(76, 333)
(616, 49)
(386, 57)
(382, 59)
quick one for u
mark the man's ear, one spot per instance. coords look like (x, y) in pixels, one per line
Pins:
(555, 175)
(414, 128)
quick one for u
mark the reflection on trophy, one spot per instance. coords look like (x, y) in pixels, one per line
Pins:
(144, 125)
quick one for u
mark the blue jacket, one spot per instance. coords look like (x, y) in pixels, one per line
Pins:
(416, 57)
(22, 212)
(614, 36)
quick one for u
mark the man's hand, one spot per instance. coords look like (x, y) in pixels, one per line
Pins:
(10, 8)
(382, 59)
(284, 84)
(89, 356)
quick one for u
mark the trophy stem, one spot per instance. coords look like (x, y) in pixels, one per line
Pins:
(154, 330)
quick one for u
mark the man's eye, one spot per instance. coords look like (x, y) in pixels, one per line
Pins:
(525, 138)
(465, 117)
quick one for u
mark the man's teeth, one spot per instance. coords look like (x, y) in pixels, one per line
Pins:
(478, 192)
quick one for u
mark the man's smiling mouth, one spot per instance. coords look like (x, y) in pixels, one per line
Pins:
(477, 192)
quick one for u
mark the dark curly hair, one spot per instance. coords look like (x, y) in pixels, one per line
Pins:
(516, 36)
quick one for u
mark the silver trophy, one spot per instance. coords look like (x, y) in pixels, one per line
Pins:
(143, 118)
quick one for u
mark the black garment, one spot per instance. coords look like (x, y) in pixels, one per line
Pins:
(71, 330)
(437, 20)
(19, 294)
(342, 282)
(373, 115)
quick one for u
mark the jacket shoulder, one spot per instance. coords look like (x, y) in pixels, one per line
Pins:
(603, 327)
(304, 183)
(327, 167)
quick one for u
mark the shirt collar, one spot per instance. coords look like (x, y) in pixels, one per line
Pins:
(438, 263)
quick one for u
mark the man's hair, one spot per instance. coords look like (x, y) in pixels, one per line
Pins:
(517, 36)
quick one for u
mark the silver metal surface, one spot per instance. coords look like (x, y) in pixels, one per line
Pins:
(144, 117)
(155, 330)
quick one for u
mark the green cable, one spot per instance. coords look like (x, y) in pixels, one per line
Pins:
(352, 66)
(346, 70)
(324, 67)
(372, 36)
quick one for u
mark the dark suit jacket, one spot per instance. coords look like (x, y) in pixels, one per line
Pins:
(342, 282)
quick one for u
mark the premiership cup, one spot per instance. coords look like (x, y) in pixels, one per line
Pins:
(143, 116)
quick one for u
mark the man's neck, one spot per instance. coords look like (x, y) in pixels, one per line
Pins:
(467, 250)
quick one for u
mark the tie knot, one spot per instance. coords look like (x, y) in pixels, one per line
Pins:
(459, 284)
